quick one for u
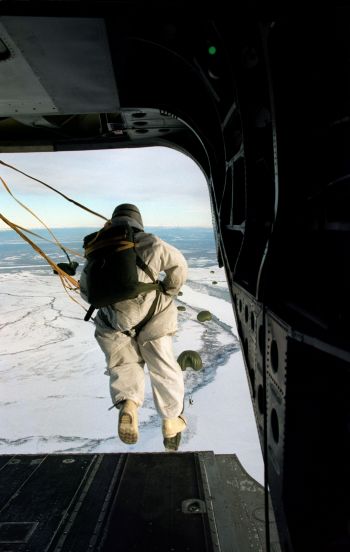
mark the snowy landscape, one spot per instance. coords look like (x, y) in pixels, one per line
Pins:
(55, 394)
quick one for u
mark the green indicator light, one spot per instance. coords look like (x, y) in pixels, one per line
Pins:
(212, 50)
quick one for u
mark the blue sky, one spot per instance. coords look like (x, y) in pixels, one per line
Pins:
(168, 187)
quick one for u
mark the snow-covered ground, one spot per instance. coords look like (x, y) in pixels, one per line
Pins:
(55, 396)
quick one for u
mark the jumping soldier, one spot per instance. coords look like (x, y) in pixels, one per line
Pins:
(136, 331)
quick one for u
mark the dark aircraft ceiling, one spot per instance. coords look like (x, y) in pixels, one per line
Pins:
(97, 81)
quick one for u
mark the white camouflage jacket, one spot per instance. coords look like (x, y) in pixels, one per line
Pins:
(160, 257)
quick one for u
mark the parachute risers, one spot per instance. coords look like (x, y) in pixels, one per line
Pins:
(190, 359)
(43, 223)
(64, 270)
(63, 275)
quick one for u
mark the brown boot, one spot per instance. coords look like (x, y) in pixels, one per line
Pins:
(171, 429)
(173, 426)
(128, 424)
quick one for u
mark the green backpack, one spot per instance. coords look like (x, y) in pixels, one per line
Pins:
(110, 272)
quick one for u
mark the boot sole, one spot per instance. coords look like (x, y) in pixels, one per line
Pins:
(126, 430)
(171, 444)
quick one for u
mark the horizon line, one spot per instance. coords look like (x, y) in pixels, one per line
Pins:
(77, 227)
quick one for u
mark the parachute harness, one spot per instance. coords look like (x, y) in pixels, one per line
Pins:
(69, 283)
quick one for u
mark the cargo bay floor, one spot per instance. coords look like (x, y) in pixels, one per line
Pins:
(159, 502)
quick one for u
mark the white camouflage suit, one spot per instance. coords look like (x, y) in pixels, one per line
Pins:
(125, 355)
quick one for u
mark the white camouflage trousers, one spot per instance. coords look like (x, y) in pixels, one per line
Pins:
(127, 377)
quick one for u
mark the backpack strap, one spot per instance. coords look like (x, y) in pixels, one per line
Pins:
(157, 286)
(141, 264)
(134, 332)
(89, 313)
